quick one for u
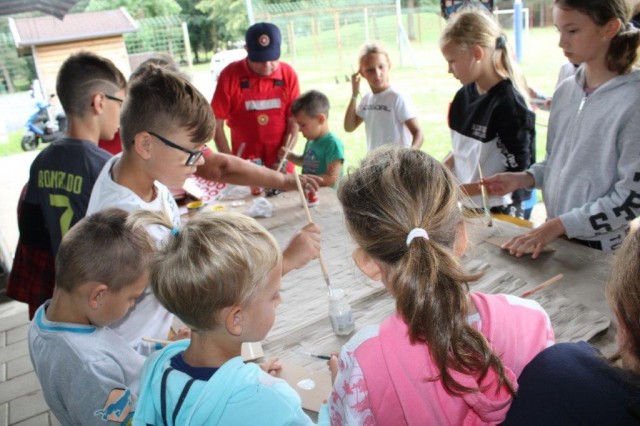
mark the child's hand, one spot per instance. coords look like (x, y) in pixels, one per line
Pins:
(182, 333)
(271, 366)
(534, 241)
(302, 249)
(505, 183)
(355, 83)
(333, 366)
(307, 181)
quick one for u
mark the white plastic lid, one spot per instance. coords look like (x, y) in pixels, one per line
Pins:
(335, 294)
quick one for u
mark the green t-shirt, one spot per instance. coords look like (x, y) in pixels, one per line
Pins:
(319, 153)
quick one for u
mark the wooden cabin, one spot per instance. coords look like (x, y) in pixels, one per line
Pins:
(51, 40)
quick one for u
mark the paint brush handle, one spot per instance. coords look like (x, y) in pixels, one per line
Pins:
(154, 340)
(241, 150)
(287, 147)
(303, 200)
(542, 286)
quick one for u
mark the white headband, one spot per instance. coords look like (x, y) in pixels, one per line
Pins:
(417, 232)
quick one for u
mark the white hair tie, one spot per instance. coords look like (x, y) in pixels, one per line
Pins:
(417, 232)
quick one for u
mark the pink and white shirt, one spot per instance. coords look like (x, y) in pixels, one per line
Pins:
(383, 377)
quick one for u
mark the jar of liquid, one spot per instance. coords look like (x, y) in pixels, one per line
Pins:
(340, 313)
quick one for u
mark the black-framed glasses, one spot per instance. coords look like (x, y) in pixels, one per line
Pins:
(194, 156)
(114, 98)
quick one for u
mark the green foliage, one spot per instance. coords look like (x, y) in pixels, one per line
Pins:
(200, 27)
(16, 73)
(138, 9)
(229, 19)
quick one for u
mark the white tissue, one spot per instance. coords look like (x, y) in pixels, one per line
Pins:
(260, 208)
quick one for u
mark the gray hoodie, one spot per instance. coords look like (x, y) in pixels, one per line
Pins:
(590, 178)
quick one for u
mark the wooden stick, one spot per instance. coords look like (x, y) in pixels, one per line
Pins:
(287, 147)
(154, 340)
(545, 284)
(485, 196)
(241, 150)
(303, 199)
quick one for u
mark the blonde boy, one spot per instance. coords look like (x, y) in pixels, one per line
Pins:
(323, 153)
(227, 291)
(165, 123)
(89, 375)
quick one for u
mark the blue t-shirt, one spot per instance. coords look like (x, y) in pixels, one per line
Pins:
(198, 373)
(572, 384)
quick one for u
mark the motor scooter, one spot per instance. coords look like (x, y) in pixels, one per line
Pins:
(39, 128)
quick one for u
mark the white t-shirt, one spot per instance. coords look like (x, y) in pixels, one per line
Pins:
(148, 318)
(384, 115)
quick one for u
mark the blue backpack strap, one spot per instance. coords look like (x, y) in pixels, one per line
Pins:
(163, 395)
(183, 395)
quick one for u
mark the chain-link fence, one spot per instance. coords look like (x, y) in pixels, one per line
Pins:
(329, 34)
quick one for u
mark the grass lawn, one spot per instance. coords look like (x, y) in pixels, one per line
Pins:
(429, 85)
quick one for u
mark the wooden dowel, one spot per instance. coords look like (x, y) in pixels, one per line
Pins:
(545, 284)
(154, 340)
(287, 147)
(303, 200)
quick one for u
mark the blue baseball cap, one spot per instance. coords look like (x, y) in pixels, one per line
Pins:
(263, 42)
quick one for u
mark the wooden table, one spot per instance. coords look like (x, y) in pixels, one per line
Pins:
(302, 322)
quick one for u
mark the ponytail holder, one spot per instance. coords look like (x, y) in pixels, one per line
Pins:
(175, 231)
(501, 42)
(416, 232)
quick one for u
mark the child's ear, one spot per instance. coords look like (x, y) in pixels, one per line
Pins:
(367, 264)
(97, 103)
(233, 320)
(142, 145)
(611, 28)
(96, 295)
(322, 118)
(477, 52)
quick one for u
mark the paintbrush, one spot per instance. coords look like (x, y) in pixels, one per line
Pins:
(545, 284)
(287, 147)
(325, 357)
(154, 340)
(241, 150)
(485, 197)
(303, 199)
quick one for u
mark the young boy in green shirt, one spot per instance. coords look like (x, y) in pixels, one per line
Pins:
(324, 153)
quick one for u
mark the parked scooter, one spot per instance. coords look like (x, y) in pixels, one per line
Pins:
(39, 128)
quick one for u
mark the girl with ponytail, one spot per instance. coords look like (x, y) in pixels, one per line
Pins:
(445, 356)
(492, 126)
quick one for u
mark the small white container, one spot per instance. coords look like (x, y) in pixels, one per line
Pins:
(340, 313)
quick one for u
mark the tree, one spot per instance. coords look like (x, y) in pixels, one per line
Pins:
(200, 27)
(229, 19)
(138, 9)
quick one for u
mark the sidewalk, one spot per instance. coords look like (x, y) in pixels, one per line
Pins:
(21, 400)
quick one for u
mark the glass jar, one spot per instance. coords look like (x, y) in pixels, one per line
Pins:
(340, 313)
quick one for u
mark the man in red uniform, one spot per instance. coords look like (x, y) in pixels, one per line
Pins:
(254, 96)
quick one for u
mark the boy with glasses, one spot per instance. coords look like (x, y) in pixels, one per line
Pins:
(90, 89)
(165, 124)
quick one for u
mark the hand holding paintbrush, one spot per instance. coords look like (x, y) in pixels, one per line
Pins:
(303, 199)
